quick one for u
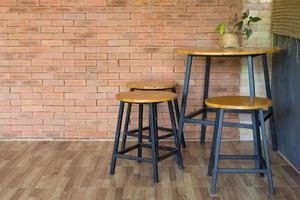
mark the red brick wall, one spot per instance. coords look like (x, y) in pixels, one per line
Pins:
(63, 61)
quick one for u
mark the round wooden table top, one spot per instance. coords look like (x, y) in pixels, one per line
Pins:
(238, 102)
(210, 51)
(146, 96)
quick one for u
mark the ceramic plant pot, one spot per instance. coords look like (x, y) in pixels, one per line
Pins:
(229, 40)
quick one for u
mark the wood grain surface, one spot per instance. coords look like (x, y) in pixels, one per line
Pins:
(80, 171)
(151, 84)
(238, 102)
(146, 96)
(209, 51)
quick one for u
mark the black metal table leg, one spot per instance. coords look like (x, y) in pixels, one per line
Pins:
(117, 138)
(185, 95)
(251, 76)
(205, 96)
(177, 117)
(269, 96)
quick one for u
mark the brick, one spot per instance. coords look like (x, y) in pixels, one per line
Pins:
(62, 23)
(75, 82)
(50, 2)
(118, 43)
(63, 61)
(53, 82)
(31, 108)
(117, 3)
(28, 2)
(8, 2)
(52, 43)
(52, 29)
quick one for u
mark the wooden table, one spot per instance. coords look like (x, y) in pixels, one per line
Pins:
(208, 53)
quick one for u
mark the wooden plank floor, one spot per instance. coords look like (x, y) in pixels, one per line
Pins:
(79, 170)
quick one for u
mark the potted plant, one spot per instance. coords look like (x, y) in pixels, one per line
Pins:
(234, 28)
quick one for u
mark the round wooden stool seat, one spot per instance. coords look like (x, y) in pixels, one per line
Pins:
(152, 85)
(238, 102)
(146, 96)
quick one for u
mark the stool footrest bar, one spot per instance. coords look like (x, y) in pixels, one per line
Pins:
(225, 124)
(231, 171)
(194, 114)
(147, 128)
(130, 148)
(165, 129)
(136, 135)
(238, 157)
(137, 130)
(167, 155)
(129, 157)
(200, 111)
(163, 148)
(165, 136)
(147, 137)
(133, 147)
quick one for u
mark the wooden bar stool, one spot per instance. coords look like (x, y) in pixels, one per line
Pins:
(150, 85)
(240, 103)
(150, 98)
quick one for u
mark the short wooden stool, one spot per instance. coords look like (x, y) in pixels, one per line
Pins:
(150, 85)
(240, 103)
(150, 98)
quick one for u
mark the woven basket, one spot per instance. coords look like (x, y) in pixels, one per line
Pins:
(229, 40)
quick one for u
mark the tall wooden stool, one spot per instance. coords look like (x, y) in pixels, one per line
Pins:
(240, 103)
(150, 85)
(150, 98)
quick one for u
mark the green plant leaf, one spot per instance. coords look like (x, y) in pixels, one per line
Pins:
(221, 28)
(239, 26)
(245, 14)
(248, 23)
(248, 33)
(255, 19)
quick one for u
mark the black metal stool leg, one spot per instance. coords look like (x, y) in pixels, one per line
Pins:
(176, 137)
(255, 140)
(272, 131)
(261, 160)
(140, 128)
(117, 138)
(269, 96)
(217, 151)
(156, 129)
(266, 150)
(153, 143)
(177, 117)
(205, 96)
(213, 146)
(126, 126)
